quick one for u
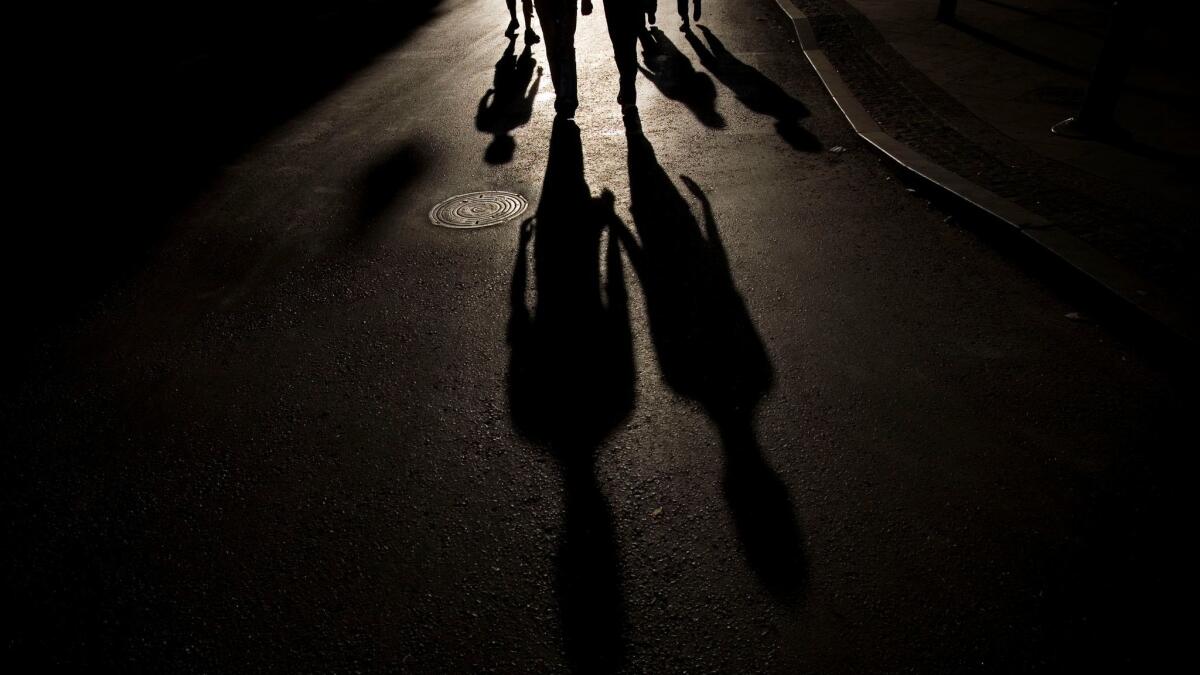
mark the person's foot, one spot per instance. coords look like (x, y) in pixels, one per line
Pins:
(650, 18)
(531, 38)
(513, 27)
(586, 7)
(696, 13)
(685, 26)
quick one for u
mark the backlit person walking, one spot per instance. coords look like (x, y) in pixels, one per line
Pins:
(531, 37)
(559, 20)
(697, 8)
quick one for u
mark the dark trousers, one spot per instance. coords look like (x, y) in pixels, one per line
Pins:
(558, 19)
(526, 6)
(683, 7)
(624, 22)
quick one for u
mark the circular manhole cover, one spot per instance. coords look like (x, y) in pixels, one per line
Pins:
(478, 209)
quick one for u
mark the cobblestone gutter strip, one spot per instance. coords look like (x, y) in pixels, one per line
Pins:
(1062, 222)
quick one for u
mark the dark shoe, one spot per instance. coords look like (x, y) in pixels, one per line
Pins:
(650, 18)
(513, 27)
(531, 38)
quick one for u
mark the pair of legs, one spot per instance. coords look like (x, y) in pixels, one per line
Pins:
(651, 8)
(527, 8)
(682, 5)
(624, 23)
(559, 19)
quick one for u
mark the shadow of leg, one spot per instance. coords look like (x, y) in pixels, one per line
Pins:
(589, 577)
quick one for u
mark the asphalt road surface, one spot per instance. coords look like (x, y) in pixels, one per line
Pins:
(735, 401)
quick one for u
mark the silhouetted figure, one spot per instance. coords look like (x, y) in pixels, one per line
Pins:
(678, 80)
(531, 37)
(571, 382)
(558, 19)
(507, 105)
(709, 351)
(682, 6)
(624, 19)
(755, 90)
(650, 7)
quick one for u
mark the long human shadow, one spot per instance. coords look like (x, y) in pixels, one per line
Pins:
(709, 351)
(509, 103)
(755, 90)
(570, 382)
(675, 76)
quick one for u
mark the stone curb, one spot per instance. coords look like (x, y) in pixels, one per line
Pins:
(1129, 290)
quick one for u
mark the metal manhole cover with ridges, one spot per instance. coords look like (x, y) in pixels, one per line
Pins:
(478, 209)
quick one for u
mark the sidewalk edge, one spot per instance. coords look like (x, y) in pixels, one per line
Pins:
(1121, 284)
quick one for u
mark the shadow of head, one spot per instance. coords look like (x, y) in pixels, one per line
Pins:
(763, 514)
(384, 182)
(508, 104)
(500, 150)
(755, 90)
(797, 136)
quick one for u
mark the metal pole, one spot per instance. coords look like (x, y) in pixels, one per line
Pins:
(946, 9)
(1096, 115)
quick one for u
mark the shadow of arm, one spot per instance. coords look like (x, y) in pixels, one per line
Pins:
(711, 233)
(519, 320)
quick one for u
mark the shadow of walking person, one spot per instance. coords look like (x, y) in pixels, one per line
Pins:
(677, 79)
(509, 103)
(709, 351)
(755, 90)
(570, 382)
